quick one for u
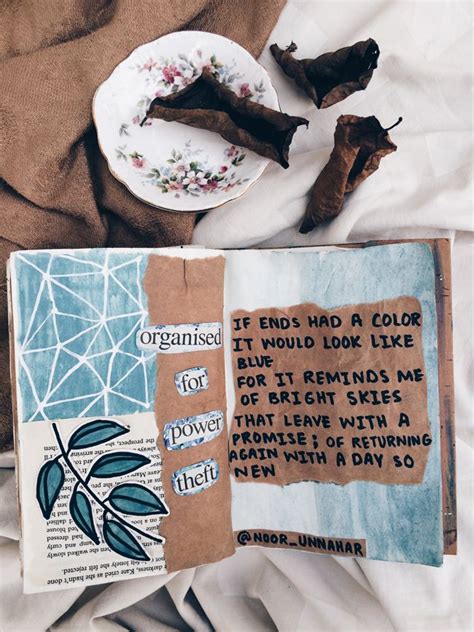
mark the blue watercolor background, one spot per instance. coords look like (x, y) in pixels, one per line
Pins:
(400, 522)
(79, 311)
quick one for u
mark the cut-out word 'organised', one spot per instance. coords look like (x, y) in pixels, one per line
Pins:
(182, 338)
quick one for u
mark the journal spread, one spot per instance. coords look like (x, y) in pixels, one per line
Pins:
(173, 404)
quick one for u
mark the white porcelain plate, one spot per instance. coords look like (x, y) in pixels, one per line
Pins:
(171, 165)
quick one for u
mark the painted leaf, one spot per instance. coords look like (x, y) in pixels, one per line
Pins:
(96, 432)
(136, 500)
(48, 486)
(81, 512)
(120, 540)
(117, 464)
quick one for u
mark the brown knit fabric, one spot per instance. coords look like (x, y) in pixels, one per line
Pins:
(56, 190)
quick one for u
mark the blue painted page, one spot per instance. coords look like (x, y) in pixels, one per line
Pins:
(397, 521)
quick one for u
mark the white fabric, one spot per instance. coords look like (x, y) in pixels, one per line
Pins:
(424, 189)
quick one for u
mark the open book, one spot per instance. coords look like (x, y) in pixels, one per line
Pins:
(174, 404)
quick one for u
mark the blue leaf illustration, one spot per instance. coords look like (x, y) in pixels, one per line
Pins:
(95, 433)
(81, 512)
(122, 541)
(117, 464)
(48, 486)
(136, 500)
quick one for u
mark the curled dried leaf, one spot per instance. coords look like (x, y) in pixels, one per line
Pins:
(360, 143)
(209, 104)
(331, 77)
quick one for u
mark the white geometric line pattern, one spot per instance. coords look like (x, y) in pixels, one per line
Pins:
(78, 315)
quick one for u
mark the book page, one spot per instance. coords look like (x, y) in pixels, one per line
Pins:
(334, 438)
(119, 380)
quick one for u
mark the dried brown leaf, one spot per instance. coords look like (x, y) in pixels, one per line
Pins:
(331, 77)
(360, 143)
(209, 104)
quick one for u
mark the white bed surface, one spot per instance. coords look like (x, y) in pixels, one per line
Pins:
(422, 190)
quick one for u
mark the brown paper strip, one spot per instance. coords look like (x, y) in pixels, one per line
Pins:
(269, 444)
(198, 529)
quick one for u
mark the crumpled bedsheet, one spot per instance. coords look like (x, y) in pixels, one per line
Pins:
(423, 190)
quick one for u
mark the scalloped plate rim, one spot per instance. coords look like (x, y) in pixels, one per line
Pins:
(202, 207)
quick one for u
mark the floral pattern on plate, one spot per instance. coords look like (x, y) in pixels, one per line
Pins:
(168, 75)
(187, 172)
(170, 165)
